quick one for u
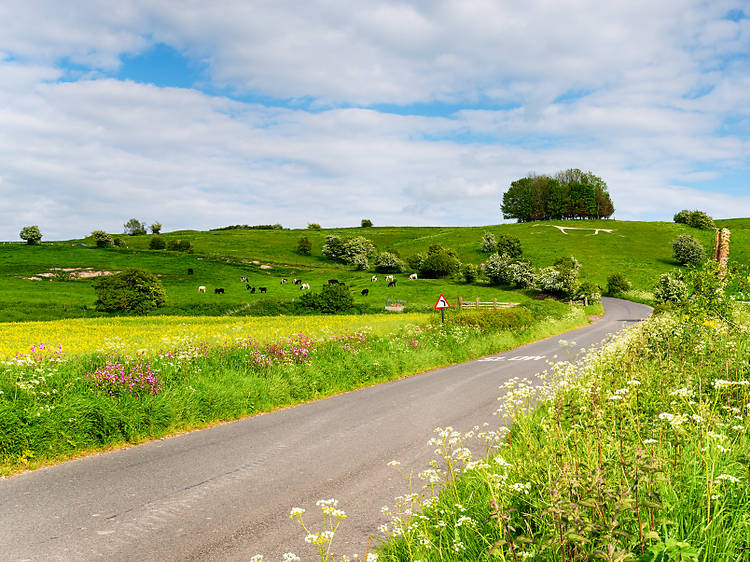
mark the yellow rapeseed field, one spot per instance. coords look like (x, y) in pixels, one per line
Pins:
(151, 334)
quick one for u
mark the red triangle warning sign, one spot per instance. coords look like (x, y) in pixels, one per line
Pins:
(441, 303)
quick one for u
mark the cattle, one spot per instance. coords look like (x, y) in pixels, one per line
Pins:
(262, 289)
(389, 277)
(392, 283)
(333, 282)
(252, 290)
(373, 278)
(365, 292)
(190, 270)
(248, 287)
(296, 281)
(243, 279)
(218, 291)
(413, 276)
(201, 289)
(304, 286)
(284, 281)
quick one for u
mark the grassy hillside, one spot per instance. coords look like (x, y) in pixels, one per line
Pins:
(641, 250)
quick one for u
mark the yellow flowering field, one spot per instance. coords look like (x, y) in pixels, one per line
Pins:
(147, 335)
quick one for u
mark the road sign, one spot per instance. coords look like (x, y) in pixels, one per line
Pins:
(441, 303)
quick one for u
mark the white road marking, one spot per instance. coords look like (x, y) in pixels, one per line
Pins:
(514, 358)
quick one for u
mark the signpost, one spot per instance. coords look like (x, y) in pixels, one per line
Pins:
(441, 305)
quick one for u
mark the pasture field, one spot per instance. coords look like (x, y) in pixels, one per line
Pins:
(57, 405)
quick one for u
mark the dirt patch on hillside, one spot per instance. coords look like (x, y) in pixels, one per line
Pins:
(70, 273)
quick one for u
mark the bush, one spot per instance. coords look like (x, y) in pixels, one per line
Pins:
(589, 290)
(488, 244)
(509, 245)
(360, 262)
(157, 243)
(699, 219)
(561, 279)
(522, 274)
(497, 269)
(415, 261)
(313, 226)
(333, 248)
(386, 262)
(617, 283)
(178, 245)
(131, 290)
(304, 246)
(469, 272)
(669, 289)
(683, 217)
(439, 264)
(687, 250)
(102, 239)
(357, 246)
(117, 241)
(516, 318)
(366, 223)
(331, 299)
(156, 228)
(31, 234)
(134, 227)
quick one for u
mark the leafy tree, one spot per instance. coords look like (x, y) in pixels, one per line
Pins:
(117, 241)
(133, 290)
(157, 243)
(560, 279)
(469, 272)
(617, 283)
(687, 250)
(156, 228)
(102, 239)
(304, 246)
(31, 234)
(509, 245)
(699, 219)
(313, 226)
(683, 217)
(366, 223)
(357, 246)
(135, 227)
(589, 290)
(488, 244)
(670, 289)
(439, 263)
(522, 274)
(415, 261)
(497, 269)
(386, 262)
(360, 262)
(333, 248)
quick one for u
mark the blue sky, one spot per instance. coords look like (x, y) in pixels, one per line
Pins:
(407, 113)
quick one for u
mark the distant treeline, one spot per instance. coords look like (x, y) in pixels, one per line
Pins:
(570, 194)
(254, 227)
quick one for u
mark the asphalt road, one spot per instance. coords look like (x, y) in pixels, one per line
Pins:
(225, 493)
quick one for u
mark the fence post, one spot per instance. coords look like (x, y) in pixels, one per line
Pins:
(495, 301)
(460, 303)
(477, 303)
(585, 300)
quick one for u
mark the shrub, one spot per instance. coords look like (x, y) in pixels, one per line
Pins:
(589, 290)
(102, 239)
(360, 262)
(617, 283)
(31, 234)
(357, 246)
(669, 289)
(687, 250)
(509, 245)
(304, 246)
(683, 217)
(366, 223)
(333, 247)
(415, 261)
(488, 244)
(131, 290)
(117, 241)
(313, 226)
(179, 245)
(699, 219)
(156, 228)
(497, 269)
(387, 262)
(469, 272)
(331, 299)
(522, 274)
(516, 318)
(439, 264)
(561, 279)
(134, 227)
(157, 243)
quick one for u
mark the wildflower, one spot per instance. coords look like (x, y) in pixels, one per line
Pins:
(257, 558)
(726, 478)
(290, 557)
(394, 463)
(296, 512)
(634, 383)
(682, 393)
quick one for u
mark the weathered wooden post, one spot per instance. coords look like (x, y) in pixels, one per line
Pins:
(477, 303)
(721, 250)
(495, 301)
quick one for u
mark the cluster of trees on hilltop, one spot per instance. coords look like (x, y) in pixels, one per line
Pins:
(570, 194)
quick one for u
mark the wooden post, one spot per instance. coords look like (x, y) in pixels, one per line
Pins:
(460, 303)
(495, 303)
(585, 300)
(477, 303)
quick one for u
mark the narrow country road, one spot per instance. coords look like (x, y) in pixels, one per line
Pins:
(225, 493)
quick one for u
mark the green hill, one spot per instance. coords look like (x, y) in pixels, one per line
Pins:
(640, 250)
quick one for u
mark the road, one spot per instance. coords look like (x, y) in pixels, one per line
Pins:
(225, 493)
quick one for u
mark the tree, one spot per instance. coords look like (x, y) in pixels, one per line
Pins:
(469, 272)
(682, 217)
(670, 289)
(333, 247)
(304, 246)
(156, 228)
(387, 262)
(497, 269)
(617, 283)
(134, 227)
(31, 234)
(133, 290)
(687, 250)
(366, 223)
(313, 226)
(488, 244)
(439, 263)
(102, 239)
(701, 220)
(157, 243)
(357, 246)
(509, 245)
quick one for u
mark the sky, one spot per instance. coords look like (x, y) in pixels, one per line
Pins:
(205, 114)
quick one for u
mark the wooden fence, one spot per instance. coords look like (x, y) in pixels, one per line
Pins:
(477, 304)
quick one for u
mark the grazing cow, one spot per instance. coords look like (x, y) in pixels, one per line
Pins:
(333, 281)
(284, 281)
(218, 291)
(190, 270)
(296, 281)
(413, 276)
(365, 292)
(373, 278)
(389, 277)
(392, 283)
(201, 289)
(252, 290)
(304, 286)
(262, 289)
(248, 287)
(243, 279)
